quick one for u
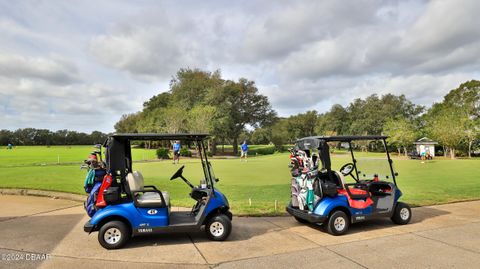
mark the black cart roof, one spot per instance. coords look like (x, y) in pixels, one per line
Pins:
(345, 138)
(153, 136)
(118, 152)
(315, 142)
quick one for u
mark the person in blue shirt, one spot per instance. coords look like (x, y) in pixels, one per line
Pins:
(176, 152)
(244, 151)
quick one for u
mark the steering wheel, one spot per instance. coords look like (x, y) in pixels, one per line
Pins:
(347, 169)
(178, 173)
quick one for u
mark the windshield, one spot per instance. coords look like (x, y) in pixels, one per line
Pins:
(212, 173)
(209, 177)
(371, 160)
(368, 167)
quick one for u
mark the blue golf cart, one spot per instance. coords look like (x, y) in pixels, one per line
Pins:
(125, 207)
(361, 189)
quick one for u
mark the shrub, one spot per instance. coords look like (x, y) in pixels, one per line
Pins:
(162, 153)
(185, 152)
(265, 151)
(259, 151)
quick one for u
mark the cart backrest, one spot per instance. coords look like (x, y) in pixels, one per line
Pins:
(135, 181)
(341, 178)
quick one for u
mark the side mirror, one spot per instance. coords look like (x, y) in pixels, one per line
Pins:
(217, 179)
(396, 173)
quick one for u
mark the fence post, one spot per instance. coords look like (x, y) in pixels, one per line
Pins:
(250, 201)
(276, 202)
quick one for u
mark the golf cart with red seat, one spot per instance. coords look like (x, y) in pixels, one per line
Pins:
(323, 195)
(126, 207)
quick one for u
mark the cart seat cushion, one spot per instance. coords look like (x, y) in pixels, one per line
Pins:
(153, 199)
(356, 203)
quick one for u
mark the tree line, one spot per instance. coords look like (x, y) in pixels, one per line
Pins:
(44, 137)
(232, 111)
(454, 122)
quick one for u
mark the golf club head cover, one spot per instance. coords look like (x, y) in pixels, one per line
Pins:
(107, 181)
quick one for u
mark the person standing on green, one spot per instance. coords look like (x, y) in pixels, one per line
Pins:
(244, 150)
(176, 152)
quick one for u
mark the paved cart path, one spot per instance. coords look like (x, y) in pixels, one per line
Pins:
(443, 236)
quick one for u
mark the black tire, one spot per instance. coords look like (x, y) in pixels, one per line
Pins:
(402, 214)
(338, 223)
(300, 220)
(218, 227)
(114, 234)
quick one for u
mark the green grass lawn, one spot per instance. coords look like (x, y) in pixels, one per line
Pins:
(41, 155)
(263, 179)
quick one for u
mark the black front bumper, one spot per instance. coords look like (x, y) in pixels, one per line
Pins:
(305, 215)
(88, 227)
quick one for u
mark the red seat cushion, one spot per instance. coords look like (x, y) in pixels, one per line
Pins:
(356, 203)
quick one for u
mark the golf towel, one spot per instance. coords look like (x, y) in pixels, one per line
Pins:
(89, 180)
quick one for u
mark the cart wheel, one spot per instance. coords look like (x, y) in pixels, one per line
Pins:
(300, 220)
(402, 214)
(218, 227)
(338, 223)
(113, 234)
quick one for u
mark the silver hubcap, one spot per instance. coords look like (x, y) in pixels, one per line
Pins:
(112, 236)
(404, 213)
(216, 228)
(339, 224)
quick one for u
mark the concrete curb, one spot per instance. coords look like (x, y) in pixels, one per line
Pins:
(52, 194)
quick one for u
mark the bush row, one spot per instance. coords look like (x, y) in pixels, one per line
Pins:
(164, 153)
(262, 151)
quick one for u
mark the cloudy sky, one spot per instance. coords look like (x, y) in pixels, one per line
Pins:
(80, 65)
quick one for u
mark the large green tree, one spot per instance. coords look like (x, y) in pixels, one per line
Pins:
(201, 101)
(201, 119)
(336, 120)
(239, 104)
(446, 124)
(128, 123)
(401, 133)
(190, 87)
(466, 99)
(369, 116)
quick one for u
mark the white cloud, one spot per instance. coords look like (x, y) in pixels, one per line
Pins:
(55, 69)
(62, 63)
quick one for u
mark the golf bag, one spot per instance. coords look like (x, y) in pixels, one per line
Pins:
(92, 197)
(107, 181)
(304, 179)
(295, 192)
(93, 181)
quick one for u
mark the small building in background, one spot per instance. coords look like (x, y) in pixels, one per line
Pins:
(426, 145)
